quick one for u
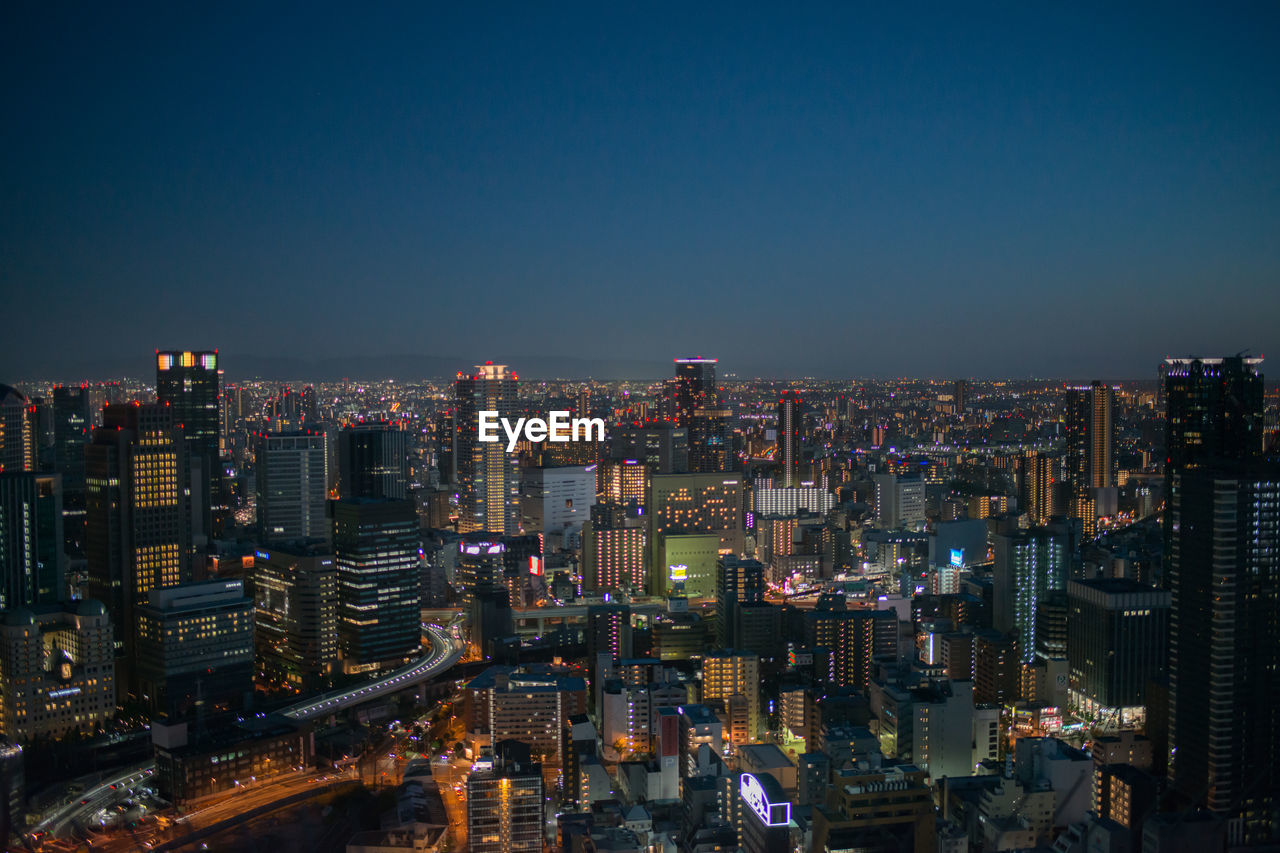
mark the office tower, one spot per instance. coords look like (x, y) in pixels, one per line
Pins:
(376, 548)
(17, 433)
(693, 388)
(72, 426)
(373, 461)
(505, 703)
(137, 524)
(1223, 570)
(789, 425)
(961, 396)
(557, 500)
(766, 814)
(899, 500)
(295, 590)
(790, 502)
(697, 505)
(711, 439)
(738, 581)
(292, 475)
(32, 560)
(195, 648)
(662, 447)
(57, 670)
(1117, 632)
(733, 677)
(613, 551)
(480, 565)
(1029, 565)
(487, 483)
(1214, 412)
(505, 804)
(609, 632)
(190, 383)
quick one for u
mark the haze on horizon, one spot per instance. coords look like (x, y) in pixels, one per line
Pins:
(832, 191)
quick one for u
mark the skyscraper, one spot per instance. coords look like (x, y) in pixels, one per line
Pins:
(488, 486)
(789, 423)
(693, 402)
(1029, 565)
(71, 431)
(373, 461)
(376, 549)
(17, 434)
(189, 383)
(32, 561)
(137, 524)
(296, 614)
(738, 582)
(692, 504)
(291, 484)
(1222, 553)
(1090, 433)
(505, 804)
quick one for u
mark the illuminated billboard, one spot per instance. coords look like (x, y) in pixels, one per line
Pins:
(769, 812)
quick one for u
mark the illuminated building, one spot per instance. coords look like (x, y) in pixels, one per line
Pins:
(852, 637)
(1039, 498)
(608, 632)
(487, 482)
(613, 551)
(479, 566)
(733, 678)
(376, 549)
(137, 527)
(693, 387)
(996, 669)
(738, 582)
(623, 481)
(503, 703)
(558, 500)
(1090, 433)
(295, 594)
(195, 647)
(71, 431)
(505, 804)
(890, 809)
(789, 426)
(693, 401)
(32, 560)
(197, 762)
(766, 500)
(692, 504)
(190, 384)
(373, 461)
(662, 447)
(17, 433)
(899, 500)
(1117, 632)
(1029, 565)
(57, 670)
(292, 475)
(689, 564)
(766, 814)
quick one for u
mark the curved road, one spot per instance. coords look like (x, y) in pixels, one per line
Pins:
(446, 648)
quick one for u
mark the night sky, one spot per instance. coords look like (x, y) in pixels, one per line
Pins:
(829, 190)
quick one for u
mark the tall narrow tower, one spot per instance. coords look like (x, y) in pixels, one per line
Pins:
(488, 488)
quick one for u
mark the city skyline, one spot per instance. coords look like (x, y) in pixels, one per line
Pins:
(867, 192)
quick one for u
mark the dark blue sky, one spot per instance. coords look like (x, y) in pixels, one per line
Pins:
(835, 189)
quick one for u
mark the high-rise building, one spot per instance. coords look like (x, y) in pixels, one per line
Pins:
(57, 669)
(32, 560)
(697, 504)
(623, 481)
(693, 388)
(505, 803)
(190, 383)
(17, 433)
(738, 582)
(1029, 565)
(961, 396)
(662, 447)
(900, 500)
(557, 500)
(292, 474)
(609, 631)
(373, 461)
(1090, 434)
(1222, 567)
(376, 548)
(613, 550)
(1040, 475)
(733, 677)
(295, 591)
(72, 426)
(195, 648)
(790, 421)
(487, 481)
(852, 638)
(137, 524)
(1117, 632)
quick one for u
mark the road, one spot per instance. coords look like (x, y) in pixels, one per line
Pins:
(446, 648)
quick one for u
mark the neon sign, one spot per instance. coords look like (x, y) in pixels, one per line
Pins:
(753, 794)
